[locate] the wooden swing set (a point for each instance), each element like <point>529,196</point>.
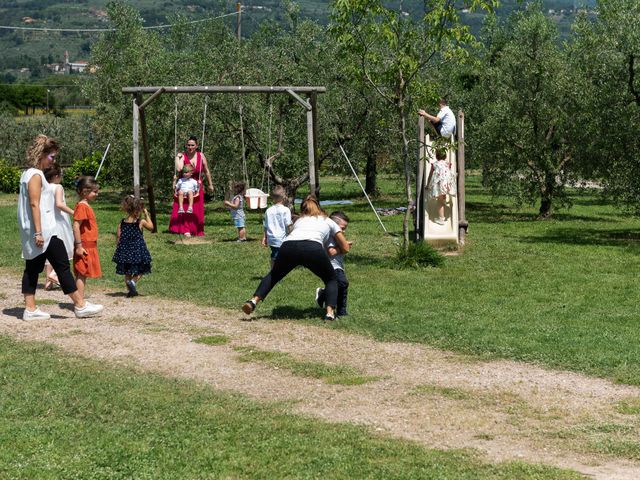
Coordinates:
<point>140,126</point>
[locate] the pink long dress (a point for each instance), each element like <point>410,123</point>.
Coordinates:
<point>192,223</point>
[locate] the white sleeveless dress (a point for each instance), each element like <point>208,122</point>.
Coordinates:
<point>25,216</point>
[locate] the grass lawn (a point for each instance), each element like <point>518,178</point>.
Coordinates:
<point>64,417</point>
<point>560,292</point>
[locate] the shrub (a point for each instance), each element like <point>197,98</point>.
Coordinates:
<point>418,255</point>
<point>85,166</point>
<point>9,178</point>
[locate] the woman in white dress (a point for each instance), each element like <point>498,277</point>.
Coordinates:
<point>39,233</point>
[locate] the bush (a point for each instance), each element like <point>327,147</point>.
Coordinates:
<point>418,255</point>
<point>86,166</point>
<point>9,178</point>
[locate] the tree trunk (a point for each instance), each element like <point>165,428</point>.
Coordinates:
<point>546,202</point>
<point>371,174</point>
<point>406,163</point>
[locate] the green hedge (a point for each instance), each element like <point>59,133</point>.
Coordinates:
<point>9,177</point>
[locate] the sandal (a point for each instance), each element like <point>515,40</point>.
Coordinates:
<point>248,307</point>
<point>51,283</point>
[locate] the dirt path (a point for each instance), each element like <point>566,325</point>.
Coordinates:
<point>505,410</point>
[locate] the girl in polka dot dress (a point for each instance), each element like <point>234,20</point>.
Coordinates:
<point>132,257</point>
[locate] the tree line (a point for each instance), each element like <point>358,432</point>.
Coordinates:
<point>543,113</point>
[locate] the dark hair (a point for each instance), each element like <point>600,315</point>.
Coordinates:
<point>441,154</point>
<point>278,193</point>
<point>340,215</point>
<point>239,187</point>
<point>194,139</point>
<point>52,171</point>
<point>187,168</point>
<point>311,207</point>
<point>442,101</point>
<point>132,206</point>
<point>86,184</point>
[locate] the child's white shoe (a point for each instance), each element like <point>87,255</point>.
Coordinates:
<point>440,221</point>
<point>181,210</point>
<point>89,310</point>
<point>189,210</point>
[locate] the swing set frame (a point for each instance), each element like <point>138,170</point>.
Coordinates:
<point>140,125</point>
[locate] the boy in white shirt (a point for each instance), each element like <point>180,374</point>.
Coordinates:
<point>186,186</point>
<point>445,122</point>
<point>337,261</point>
<point>277,222</point>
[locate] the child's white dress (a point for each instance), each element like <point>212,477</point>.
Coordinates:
<point>64,230</point>
<point>443,180</point>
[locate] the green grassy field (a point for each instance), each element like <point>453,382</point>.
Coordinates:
<point>561,292</point>
<point>64,417</point>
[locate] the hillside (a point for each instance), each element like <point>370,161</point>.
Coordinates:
<point>29,51</point>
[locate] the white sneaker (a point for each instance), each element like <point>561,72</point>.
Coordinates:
<point>37,314</point>
<point>440,221</point>
<point>89,310</point>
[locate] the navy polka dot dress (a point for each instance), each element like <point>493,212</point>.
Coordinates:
<point>132,256</point>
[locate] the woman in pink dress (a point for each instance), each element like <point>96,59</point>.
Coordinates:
<point>191,224</point>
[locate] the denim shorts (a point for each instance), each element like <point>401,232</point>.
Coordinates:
<point>239,222</point>
<point>274,252</point>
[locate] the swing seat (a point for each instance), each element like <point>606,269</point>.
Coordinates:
<point>255,198</point>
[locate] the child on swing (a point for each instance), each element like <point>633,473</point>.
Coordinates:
<point>186,186</point>
<point>235,207</point>
<point>442,182</point>
<point>132,257</point>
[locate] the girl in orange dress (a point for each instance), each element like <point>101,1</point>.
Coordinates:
<point>86,261</point>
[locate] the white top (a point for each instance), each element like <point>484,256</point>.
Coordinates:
<point>316,229</point>
<point>25,216</point>
<point>337,260</point>
<point>64,230</point>
<point>277,219</point>
<point>237,213</point>
<point>187,185</point>
<point>448,120</point>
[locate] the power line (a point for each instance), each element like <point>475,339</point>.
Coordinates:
<point>94,30</point>
<point>38,85</point>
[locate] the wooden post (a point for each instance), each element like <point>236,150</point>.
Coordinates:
<point>313,101</point>
<point>419,213</point>
<point>147,164</point>
<point>238,22</point>
<point>311,150</point>
<point>463,225</point>
<point>136,150</point>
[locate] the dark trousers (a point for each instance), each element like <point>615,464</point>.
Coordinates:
<point>56,253</point>
<point>343,288</point>
<point>308,254</point>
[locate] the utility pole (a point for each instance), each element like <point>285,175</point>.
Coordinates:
<point>48,100</point>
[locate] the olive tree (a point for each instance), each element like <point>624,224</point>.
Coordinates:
<point>527,92</point>
<point>396,54</point>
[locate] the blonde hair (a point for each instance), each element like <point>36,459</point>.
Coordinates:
<point>311,207</point>
<point>40,147</point>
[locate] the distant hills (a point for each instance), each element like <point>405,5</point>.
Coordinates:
<point>26,53</point>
